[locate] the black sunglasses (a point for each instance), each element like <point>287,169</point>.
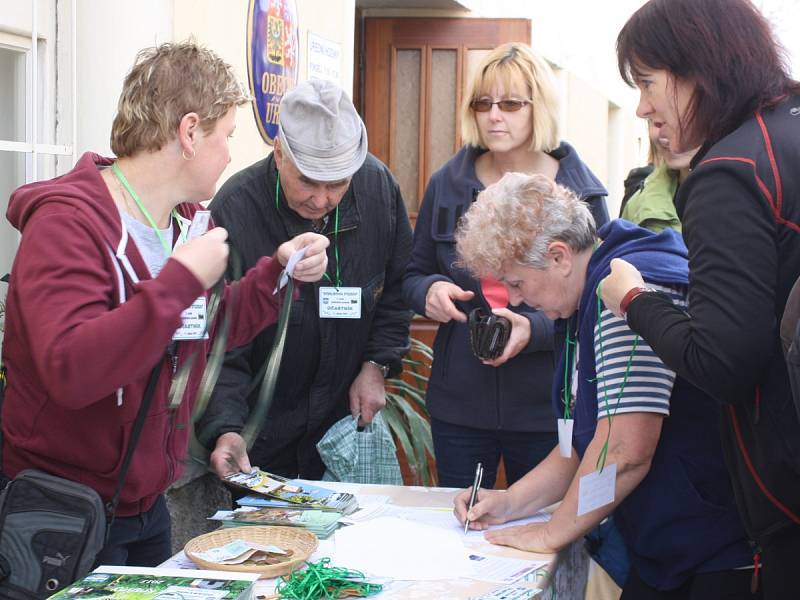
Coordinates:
<point>485,105</point>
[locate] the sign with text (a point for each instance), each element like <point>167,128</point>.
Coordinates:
<point>324,59</point>
<point>272,59</point>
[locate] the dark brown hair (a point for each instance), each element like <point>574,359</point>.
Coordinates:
<point>725,48</point>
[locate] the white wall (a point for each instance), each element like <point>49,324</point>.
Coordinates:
<point>109,34</point>
<point>223,27</point>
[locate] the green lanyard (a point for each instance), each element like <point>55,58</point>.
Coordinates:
<point>338,283</point>
<point>601,458</point>
<point>126,184</point>
<point>568,366</point>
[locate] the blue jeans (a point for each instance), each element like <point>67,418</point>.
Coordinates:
<point>459,448</point>
<point>144,540</point>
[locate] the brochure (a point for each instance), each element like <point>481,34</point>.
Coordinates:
<point>291,493</point>
<point>140,583</point>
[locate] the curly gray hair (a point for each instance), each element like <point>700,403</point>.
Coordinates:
<point>516,219</point>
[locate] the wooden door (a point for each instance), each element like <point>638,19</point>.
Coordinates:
<point>414,77</point>
<point>415,73</point>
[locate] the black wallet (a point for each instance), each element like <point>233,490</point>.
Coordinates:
<point>488,334</point>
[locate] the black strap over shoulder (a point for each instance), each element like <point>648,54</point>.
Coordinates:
<point>149,392</point>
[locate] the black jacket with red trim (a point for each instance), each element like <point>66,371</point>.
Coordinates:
<point>740,209</point>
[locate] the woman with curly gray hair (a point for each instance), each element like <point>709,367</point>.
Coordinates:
<point>539,239</point>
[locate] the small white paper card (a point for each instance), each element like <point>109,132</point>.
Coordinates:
<point>193,322</point>
<point>596,489</point>
<point>340,303</point>
<point>565,437</point>
<point>295,258</point>
<point>199,224</point>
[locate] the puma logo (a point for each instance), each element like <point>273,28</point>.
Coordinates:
<point>56,561</point>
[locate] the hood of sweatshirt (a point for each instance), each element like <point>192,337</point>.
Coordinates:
<point>82,189</point>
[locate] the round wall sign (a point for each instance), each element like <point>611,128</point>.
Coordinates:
<point>272,59</point>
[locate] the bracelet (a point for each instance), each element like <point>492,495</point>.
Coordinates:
<point>632,293</point>
<point>383,368</point>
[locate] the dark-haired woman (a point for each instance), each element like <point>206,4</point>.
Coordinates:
<point>711,74</point>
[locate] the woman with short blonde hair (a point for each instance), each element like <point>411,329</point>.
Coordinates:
<point>507,64</point>
<point>112,281</point>
<point>488,407</point>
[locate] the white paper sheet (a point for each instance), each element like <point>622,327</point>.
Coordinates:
<point>435,517</point>
<point>402,549</point>
<point>502,569</point>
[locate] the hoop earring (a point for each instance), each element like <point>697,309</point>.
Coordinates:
<point>183,154</point>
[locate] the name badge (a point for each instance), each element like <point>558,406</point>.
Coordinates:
<point>341,303</point>
<point>596,489</point>
<point>193,326</point>
<point>565,437</point>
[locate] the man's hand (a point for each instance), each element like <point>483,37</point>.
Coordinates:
<point>517,341</point>
<point>440,302</point>
<point>315,260</point>
<point>531,538</point>
<point>367,394</point>
<point>230,455</point>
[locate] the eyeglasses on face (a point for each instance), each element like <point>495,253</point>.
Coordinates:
<point>485,105</point>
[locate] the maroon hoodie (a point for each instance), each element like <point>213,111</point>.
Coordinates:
<point>85,325</point>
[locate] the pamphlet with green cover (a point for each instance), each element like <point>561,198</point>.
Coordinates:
<point>320,522</point>
<point>140,583</point>
<point>293,492</point>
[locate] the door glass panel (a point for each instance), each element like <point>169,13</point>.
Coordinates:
<point>442,117</point>
<point>12,175</point>
<point>474,57</point>
<point>405,150</point>
<point>12,95</point>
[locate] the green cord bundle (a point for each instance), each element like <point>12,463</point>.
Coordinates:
<point>320,580</point>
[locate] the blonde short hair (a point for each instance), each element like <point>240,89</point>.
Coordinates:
<point>516,220</point>
<point>165,83</point>
<point>515,64</point>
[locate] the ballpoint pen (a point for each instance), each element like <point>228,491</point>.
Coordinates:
<point>476,484</point>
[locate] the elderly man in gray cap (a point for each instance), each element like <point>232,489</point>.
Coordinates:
<point>348,332</point>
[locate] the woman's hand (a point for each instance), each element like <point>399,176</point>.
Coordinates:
<point>531,538</point>
<point>440,302</point>
<point>623,278</point>
<point>517,340</point>
<point>206,256</point>
<point>315,260</point>
<point>490,508</point>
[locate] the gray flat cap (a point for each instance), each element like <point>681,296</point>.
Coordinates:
<point>321,132</point>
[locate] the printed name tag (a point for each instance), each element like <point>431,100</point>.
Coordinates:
<point>565,437</point>
<point>194,322</point>
<point>596,489</point>
<point>341,303</point>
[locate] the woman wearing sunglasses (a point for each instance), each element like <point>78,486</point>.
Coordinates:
<point>711,74</point>
<point>485,410</point>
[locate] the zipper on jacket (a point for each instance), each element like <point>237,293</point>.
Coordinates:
<point>172,351</point>
<point>756,567</point>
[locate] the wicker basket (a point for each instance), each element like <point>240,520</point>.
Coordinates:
<point>301,542</point>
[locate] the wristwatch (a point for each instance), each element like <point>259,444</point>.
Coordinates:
<point>633,293</point>
<point>383,368</point>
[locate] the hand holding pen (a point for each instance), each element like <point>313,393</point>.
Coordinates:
<point>476,484</point>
